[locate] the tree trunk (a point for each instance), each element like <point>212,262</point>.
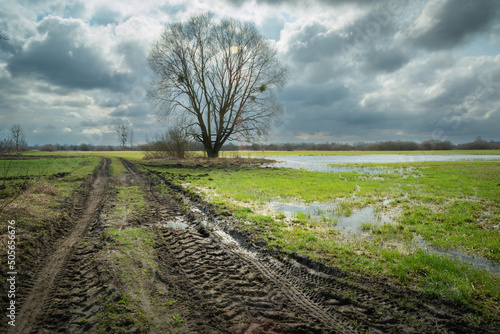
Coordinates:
<point>212,151</point>
<point>213,154</point>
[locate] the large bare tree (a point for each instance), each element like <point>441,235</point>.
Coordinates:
<point>219,77</point>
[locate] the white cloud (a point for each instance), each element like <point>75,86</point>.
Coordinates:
<point>74,114</point>
<point>92,132</point>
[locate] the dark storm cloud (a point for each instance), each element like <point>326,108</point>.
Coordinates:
<point>88,123</point>
<point>452,22</point>
<point>324,95</point>
<point>386,60</point>
<point>313,43</point>
<point>62,57</point>
<point>366,43</point>
<point>136,110</point>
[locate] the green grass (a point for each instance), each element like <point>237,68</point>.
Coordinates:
<point>440,276</point>
<point>445,204</point>
<point>36,203</point>
<point>63,175</point>
<point>132,240</point>
<point>130,155</point>
<point>453,205</point>
<point>134,259</point>
<point>78,168</point>
<point>117,168</point>
<point>129,203</point>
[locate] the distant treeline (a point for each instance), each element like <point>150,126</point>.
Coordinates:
<point>427,145</point>
<point>81,147</point>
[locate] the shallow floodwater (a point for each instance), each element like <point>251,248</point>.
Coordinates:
<point>318,211</point>
<point>474,260</point>
<point>322,163</point>
<point>351,227</point>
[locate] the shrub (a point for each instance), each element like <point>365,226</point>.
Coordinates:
<point>48,148</point>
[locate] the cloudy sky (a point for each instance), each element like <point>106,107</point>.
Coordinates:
<point>71,71</point>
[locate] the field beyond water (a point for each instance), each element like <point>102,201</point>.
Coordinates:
<point>108,242</point>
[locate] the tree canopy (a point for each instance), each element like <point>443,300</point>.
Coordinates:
<point>218,77</point>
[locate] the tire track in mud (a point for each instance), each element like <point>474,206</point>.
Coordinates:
<point>242,285</point>
<point>231,280</point>
<point>41,294</point>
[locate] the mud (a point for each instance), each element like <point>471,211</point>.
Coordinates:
<point>219,278</point>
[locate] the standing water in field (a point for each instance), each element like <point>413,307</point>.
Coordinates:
<point>351,225</point>
<point>325,163</point>
<point>332,214</point>
<point>474,260</point>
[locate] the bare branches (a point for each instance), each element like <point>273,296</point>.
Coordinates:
<point>220,76</point>
<point>123,134</point>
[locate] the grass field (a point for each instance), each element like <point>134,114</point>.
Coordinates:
<point>131,155</point>
<point>64,173</point>
<point>451,205</point>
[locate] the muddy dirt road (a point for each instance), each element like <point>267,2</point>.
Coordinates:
<point>184,269</point>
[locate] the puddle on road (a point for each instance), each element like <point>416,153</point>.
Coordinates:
<point>178,223</point>
<point>350,227</point>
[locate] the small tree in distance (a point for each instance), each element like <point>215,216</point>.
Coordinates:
<point>218,77</point>
<point>123,133</point>
<point>17,138</point>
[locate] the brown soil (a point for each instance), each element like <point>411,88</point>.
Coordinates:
<point>208,277</point>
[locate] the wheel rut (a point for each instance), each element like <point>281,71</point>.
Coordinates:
<point>42,290</point>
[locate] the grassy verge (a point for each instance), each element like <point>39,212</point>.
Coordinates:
<point>38,204</point>
<point>452,205</point>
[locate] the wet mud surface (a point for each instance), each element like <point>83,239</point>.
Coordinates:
<point>207,276</point>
